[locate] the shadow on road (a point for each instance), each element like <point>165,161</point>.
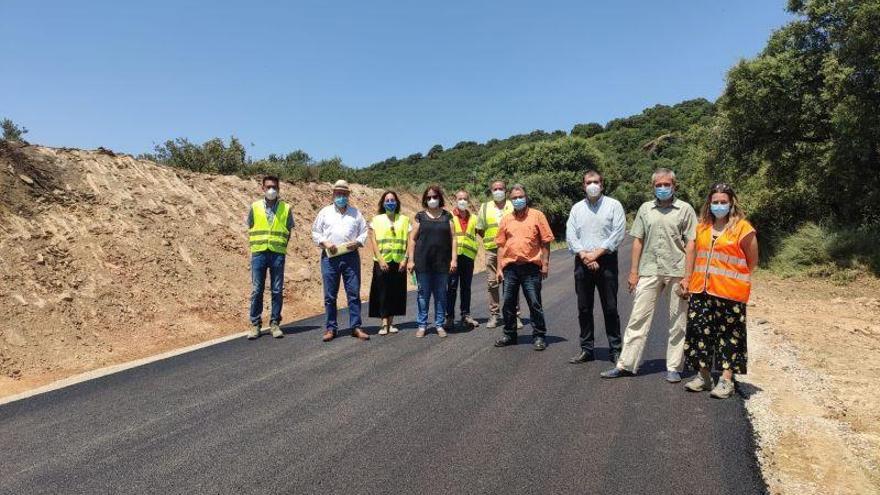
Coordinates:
<point>295,329</point>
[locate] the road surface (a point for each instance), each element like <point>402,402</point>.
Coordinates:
<point>393,415</point>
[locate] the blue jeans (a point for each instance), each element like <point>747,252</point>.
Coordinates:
<point>348,267</point>
<point>527,276</point>
<point>274,263</point>
<point>431,283</point>
<point>463,276</point>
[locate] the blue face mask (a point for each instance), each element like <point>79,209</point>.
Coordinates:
<point>390,206</point>
<point>720,210</point>
<point>518,203</point>
<point>340,201</point>
<point>663,192</point>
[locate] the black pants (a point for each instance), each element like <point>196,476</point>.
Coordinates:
<point>463,276</point>
<point>585,283</point>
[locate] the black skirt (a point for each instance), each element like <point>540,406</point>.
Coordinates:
<point>387,291</point>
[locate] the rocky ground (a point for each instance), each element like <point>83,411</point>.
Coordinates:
<point>105,259</point>
<point>814,358</point>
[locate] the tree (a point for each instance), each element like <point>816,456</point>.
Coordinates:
<point>12,132</point>
<point>434,152</point>
<point>801,120</point>
<point>587,130</point>
<point>552,172</point>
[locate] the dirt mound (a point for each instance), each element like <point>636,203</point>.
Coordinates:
<point>105,258</point>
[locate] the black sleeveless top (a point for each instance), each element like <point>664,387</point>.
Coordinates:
<point>434,245</point>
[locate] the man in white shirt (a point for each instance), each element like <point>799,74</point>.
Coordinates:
<point>596,227</point>
<point>340,230</point>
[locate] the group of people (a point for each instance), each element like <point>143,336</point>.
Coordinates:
<point>701,264</point>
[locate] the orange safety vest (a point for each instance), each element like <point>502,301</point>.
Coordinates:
<point>721,268</point>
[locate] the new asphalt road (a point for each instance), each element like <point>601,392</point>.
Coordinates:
<point>393,415</point>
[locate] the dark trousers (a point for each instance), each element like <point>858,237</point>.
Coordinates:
<point>586,282</point>
<point>347,267</point>
<point>274,264</point>
<point>527,276</point>
<point>463,276</point>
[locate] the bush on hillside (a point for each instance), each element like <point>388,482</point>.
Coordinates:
<point>552,172</point>
<point>12,132</point>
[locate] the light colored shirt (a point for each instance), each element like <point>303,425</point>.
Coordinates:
<point>665,232</point>
<point>339,228</point>
<point>523,237</point>
<point>595,225</point>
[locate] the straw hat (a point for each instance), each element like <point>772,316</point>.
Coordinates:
<point>341,185</point>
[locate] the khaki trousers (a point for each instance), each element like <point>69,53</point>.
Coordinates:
<point>648,290</point>
<point>492,283</point>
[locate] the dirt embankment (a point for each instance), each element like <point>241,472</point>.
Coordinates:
<point>814,359</point>
<point>105,259</point>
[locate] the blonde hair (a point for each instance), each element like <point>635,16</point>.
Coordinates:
<point>736,211</point>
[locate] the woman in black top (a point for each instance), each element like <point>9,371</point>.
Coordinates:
<point>430,248</point>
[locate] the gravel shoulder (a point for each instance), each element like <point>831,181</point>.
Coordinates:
<point>813,355</point>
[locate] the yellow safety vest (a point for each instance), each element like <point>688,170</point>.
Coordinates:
<point>391,236</point>
<point>466,240</point>
<point>265,237</point>
<point>488,214</point>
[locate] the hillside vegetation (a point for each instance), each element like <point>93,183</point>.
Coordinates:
<point>796,132</point>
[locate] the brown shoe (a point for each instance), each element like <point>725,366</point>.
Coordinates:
<point>329,335</point>
<point>358,333</point>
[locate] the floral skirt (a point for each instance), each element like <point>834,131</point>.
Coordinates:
<point>716,334</point>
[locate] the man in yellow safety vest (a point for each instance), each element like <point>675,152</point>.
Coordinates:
<point>465,225</point>
<point>488,219</point>
<point>270,223</point>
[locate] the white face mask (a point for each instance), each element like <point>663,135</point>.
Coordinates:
<point>463,204</point>
<point>271,194</point>
<point>433,203</point>
<point>499,195</point>
<point>594,190</point>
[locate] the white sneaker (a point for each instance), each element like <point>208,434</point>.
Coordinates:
<point>383,331</point>
<point>441,332</point>
<point>519,323</point>
<point>493,322</point>
<point>393,329</point>
<point>700,383</point>
<point>420,332</point>
<point>723,389</point>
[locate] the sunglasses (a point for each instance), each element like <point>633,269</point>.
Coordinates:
<point>722,188</point>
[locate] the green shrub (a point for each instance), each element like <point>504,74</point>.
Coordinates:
<point>812,250</point>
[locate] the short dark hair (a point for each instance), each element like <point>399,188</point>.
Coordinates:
<point>381,208</point>
<point>435,188</point>
<point>272,178</point>
<point>595,172</point>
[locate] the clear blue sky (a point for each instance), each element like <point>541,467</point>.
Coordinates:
<point>363,80</point>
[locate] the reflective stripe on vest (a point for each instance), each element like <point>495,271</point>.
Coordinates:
<point>721,268</point>
<point>265,237</point>
<point>466,240</point>
<point>488,212</point>
<point>391,241</point>
<point>702,256</point>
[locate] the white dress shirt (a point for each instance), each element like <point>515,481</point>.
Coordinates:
<point>595,225</point>
<point>339,228</point>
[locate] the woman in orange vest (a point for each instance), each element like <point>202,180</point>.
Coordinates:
<point>726,255</point>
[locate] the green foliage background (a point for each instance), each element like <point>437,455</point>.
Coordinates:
<point>796,132</point>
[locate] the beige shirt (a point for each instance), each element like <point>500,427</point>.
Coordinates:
<point>665,232</point>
